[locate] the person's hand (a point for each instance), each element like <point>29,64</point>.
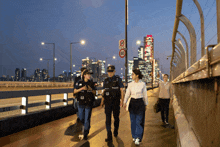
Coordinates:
<point>102,104</point>
<point>121,104</point>
<point>125,106</point>
<point>89,88</point>
<point>171,101</point>
<point>83,88</point>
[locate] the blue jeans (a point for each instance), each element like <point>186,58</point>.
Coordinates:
<point>76,106</point>
<point>85,116</point>
<point>137,116</point>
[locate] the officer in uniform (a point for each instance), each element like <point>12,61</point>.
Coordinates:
<point>85,92</point>
<point>75,103</point>
<point>113,91</point>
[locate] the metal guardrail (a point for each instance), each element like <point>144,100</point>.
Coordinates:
<point>208,66</point>
<point>27,93</point>
<point>34,84</point>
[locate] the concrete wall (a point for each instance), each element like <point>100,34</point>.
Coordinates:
<point>201,108</point>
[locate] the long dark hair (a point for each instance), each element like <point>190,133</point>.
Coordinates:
<point>138,72</point>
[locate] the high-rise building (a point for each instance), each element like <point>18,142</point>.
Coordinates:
<point>37,75</point>
<point>17,74</point>
<point>130,68</point>
<point>141,52</point>
<point>87,63</point>
<point>45,75</point>
<point>23,74</point>
<point>95,70</point>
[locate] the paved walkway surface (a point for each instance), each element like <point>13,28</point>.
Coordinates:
<point>57,133</point>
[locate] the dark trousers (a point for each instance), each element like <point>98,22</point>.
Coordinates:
<point>109,108</point>
<point>164,103</point>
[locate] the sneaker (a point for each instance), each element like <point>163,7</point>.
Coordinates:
<point>166,123</point>
<point>137,141</point>
<point>134,139</point>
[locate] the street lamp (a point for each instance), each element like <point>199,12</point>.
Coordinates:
<point>106,61</point>
<point>81,42</point>
<point>41,59</point>
<point>43,43</point>
<point>138,42</point>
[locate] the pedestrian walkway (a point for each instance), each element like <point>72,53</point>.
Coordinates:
<point>54,134</point>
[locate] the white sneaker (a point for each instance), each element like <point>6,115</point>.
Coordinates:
<point>137,142</point>
<point>134,139</point>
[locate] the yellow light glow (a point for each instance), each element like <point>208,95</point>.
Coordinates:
<point>42,43</point>
<point>82,42</point>
<point>138,42</point>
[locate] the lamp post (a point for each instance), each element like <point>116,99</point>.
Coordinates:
<point>106,61</point>
<point>41,59</point>
<point>43,43</point>
<point>81,42</point>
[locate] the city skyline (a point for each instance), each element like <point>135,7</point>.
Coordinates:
<point>100,23</point>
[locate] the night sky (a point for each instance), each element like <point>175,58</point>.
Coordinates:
<point>24,24</point>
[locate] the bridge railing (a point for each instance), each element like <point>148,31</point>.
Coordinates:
<point>34,84</point>
<point>25,105</point>
<point>196,85</point>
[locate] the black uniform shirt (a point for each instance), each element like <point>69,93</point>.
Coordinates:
<point>111,79</point>
<point>89,97</point>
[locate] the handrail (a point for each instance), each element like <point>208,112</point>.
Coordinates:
<point>207,66</point>
<point>34,84</point>
<point>27,93</point>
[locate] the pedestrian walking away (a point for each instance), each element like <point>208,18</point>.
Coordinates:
<point>164,96</point>
<point>137,101</point>
<point>111,96</point>
<point>85,91</point>
<point>75,103</point>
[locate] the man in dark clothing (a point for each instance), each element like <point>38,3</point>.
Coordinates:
<point>113,91</point>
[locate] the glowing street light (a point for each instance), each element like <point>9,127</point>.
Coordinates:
<point>43,43</point>
<point>138,42</point>
<point>82,42</point>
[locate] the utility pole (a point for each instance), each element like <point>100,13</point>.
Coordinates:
<point>126,47</point>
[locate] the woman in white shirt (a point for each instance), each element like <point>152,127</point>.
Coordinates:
<point>137,92</point>
<point>164,98</point>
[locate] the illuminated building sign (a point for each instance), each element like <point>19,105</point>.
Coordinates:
<point>149,47</point>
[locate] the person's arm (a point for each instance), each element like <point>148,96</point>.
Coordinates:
<point>158,90</point>
<point>102,101</point>
<point>127,94</point>
<point>122,91</point>
<point>145,95</point>
<point>78,90</point>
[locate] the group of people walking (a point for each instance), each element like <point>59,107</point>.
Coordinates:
<point>135,100</point>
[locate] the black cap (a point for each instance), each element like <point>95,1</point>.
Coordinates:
<point>87,72</point>
<point>111,68</point>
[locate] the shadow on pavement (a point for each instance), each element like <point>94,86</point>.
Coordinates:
<point>120,142</point>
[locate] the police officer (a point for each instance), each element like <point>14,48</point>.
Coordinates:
<point>113,91</point>
<point>75,103</point>
<point>85,91</point>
